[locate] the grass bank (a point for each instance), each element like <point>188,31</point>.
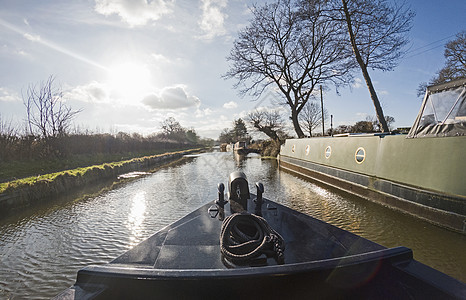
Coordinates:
<point>17,169</point>
<point>27,191</point>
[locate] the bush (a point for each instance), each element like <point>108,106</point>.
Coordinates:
<point>35,148</point>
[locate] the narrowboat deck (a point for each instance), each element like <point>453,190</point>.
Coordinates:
<point>184,260</point>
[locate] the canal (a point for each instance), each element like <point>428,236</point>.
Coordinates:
<point>42,250</point>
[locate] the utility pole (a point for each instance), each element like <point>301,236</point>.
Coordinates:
<point>331,125</point>
<point>322,107</point>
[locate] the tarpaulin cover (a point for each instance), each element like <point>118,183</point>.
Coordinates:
<point>443,111</point>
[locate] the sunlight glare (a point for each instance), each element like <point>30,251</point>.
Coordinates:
<point>129,80</point>
<point>136,217</point>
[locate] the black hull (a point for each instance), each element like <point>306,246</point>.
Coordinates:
<point>332,279</point>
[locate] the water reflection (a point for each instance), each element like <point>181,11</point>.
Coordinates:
<point>239,159</point>
<point>321,203</point>
<point>136,217</point>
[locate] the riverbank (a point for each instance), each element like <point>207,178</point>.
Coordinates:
<point>11,170</point>
<point>21,193</point>
<point>267,149</point>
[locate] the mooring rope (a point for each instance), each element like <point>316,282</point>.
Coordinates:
<point>246,236</point>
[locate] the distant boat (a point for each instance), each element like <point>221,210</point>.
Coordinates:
<point>253,248</point>
<point>422,173</point>
<point>240,148</point>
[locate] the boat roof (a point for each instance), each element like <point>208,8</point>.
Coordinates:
<point>443,111</point>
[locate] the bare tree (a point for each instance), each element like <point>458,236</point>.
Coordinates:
<point>343,129</point>
<point>376,124</point>
<point>455,63</point>
<point>455,55</point>
<point>268,122</point>
<point>311,116</point>
<point>9,135</point>
<point>377,31</point>
<point>47,113</point>
<point>226,136</point>
<point>7,130</point>
<point>172,129</point>
<point>362,126</point>
<point>280,48</point>
<point>389,120</point>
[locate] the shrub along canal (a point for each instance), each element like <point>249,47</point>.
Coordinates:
<point>41,250</point>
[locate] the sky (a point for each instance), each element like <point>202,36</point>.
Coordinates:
<point>130,64</point>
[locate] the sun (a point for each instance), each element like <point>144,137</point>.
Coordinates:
<point>129,80</point>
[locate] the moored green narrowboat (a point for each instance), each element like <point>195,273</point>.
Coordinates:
<point>422,173</point>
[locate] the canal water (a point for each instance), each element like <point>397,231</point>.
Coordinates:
<point>42,250</point>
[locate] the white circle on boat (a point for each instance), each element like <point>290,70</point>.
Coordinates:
<point>360,155</point>
<point>328,152</point>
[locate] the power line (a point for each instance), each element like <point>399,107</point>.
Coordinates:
<point>419,48</point>
<point>425,46</point>
<point>419,53</point>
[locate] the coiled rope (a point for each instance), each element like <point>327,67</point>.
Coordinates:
<point>246,236</point>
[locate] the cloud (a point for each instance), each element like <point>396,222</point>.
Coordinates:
<point>211,129</point>
<point>212,20</point>
<point>201,113</point>
<point>231,104</point>
<point>159,58</point>
<point>135,13</point>
<point>362,115</point>
<point>357,83</point>
<point>171,98</point>
<point>31,37</point>
<point>22,53</point>
<point>92,92</point>
<point>279,109</point>
<point>8,96</point>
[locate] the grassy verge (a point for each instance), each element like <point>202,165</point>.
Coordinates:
<point>14,184</point>
<point>76,172</point>
<point>14,170</point>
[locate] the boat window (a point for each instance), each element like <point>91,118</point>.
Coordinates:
<point>328,152</point>
<point>308,148</point>
<point>443,111</point>
<point>360,155</point>
<point>447,107</point>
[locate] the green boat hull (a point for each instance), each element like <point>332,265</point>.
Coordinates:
<point>424,177</point>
